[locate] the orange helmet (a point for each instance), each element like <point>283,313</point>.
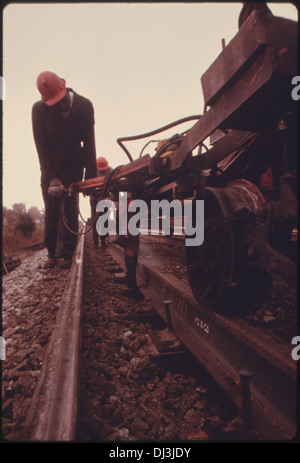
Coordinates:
<point>102,163</point>
<point>51,87</point>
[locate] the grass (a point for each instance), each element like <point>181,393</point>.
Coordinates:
<point>13,243</point>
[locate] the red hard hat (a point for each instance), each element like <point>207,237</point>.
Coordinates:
<point>51,87</point>
<point>102,163</point>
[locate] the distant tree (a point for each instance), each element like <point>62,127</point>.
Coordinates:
<point>9,217</point>
<point>19,208</point>
<point>26,224</point>
<point>36,214</point>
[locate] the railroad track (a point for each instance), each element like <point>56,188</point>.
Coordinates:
<point>253,371</point>
<point>53,411</point>
<point>231,351</point>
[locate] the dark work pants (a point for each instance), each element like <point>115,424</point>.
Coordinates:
<point>59,241</point>
<point>95,215</point>
<point>131,251</point>
<point>131,246</point>
<point>93,203</point>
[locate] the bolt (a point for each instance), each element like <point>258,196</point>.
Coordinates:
<point>252,253</point>
<point>168,314</point>
<point>245,376</point>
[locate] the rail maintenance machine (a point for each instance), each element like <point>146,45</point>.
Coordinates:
<point>246,174</point>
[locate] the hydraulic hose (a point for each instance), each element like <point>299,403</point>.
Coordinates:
<point>153,132</point>
<point>78,209</point>
<point>108,180</point>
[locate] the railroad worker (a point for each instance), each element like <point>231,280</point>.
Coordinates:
<point>131,244</point>
<point>103,170</point>
<point>63,130</point>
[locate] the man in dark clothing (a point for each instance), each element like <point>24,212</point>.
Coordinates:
<point>103,170</point>
<point>63,130</point>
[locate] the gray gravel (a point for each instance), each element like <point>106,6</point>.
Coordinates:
<point>128,392</point>
<point>30,299</point>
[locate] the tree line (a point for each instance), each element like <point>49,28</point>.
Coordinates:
<point>20,227</point>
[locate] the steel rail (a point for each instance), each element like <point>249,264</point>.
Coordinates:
<point>53,412</point>
<point>228,349</point>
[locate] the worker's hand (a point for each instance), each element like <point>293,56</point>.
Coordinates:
<point>56,188</point>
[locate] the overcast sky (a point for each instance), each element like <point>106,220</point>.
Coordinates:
<point>139,63</point>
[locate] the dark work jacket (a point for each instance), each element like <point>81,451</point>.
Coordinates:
<point>65,146</point>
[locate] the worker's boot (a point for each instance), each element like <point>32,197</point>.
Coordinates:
<point>133,290</point>
<point>50,262</point>
<point>131,277</point>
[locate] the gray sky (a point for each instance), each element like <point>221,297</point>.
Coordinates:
<point>139,63</point>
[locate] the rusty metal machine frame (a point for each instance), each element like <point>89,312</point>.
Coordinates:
<point>248,175</point>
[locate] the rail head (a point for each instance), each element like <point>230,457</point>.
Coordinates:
<point>53,412</point>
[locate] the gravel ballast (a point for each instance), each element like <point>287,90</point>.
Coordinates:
<point>30,300</point>
<point>129,392</point>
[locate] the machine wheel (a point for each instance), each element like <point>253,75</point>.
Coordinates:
<point>215,267</point>
<point>210,265</point>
